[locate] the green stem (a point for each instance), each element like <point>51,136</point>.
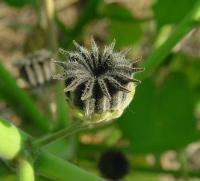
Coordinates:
<point>63,133</point>
<point>20,101</point>
<point>25,170</point>
<point>163,35</point>
<point>55,168</point>
<point>13,141</point>
<point>49,10</point>
<point>159,54</point>
<point>61,107</point>
<point>76,126</point>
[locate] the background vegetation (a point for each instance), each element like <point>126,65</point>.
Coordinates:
<point>158,133</point>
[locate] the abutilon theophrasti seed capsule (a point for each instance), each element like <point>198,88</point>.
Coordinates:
<point>36,68</point>
<point>98,84</point>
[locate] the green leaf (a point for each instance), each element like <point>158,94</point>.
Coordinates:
<point>188,65</point>
<point>170,11</point>
<point>52,167</point>
<point>18,3</point>
<point>162,118</point>
<point>126,33</point>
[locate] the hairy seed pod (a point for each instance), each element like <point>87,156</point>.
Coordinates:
<point>36,68</point>
<point>98,84</point>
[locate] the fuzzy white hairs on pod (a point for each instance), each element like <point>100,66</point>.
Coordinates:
<point>98,81</point>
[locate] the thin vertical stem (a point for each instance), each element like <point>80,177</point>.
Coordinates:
<point>49,12</point>
<point>51,29</point>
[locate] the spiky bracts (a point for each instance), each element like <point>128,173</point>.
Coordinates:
<point>98,83</point>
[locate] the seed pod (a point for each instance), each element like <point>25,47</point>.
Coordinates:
<point>113,165</point>
<point>98,84</point>
<point>36,69</point>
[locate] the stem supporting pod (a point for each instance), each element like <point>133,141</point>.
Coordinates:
<point>13,141</point>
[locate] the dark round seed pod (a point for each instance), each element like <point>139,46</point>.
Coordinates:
<point>99,84</point>
<point>36,68</point>
<point>113,165</point>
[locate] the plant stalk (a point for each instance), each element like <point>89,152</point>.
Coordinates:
<point>74,127</point>
<point>49,11</point>
<point>160,53</point>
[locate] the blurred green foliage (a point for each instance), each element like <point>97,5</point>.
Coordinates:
<point>170,11</point>
<point>17,3</point>
<point>162,115</point>
<point>133,32</point>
